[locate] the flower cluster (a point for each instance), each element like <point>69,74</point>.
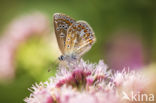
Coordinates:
<point>86,83</point>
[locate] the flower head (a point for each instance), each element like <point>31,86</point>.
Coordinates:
<point>85,83</point>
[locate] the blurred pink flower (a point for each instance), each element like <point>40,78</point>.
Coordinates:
<point>129,82</point>
<point>18,32</point>
<point>6,59</point>
<point>125,49</point>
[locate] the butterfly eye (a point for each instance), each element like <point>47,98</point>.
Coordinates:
<point>61,58</point>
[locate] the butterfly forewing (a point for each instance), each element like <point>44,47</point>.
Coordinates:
<point>61,25</point>
<point>80,38</point>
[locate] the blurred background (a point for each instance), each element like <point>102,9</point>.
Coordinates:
<point>125,32</point>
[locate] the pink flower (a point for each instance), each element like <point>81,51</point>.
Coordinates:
<point>40,94</point>
<point>87,83</point>
<point>6,59</point>
<point>78,82</point>
<point>82,74</point>
<point>129,82</point>
<point>18,32</point>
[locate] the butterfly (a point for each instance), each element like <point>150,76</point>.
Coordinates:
<point>74,38</point>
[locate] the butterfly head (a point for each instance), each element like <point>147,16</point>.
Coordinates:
<point>68,58</point>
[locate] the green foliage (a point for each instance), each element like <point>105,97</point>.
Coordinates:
<point>35,57</point>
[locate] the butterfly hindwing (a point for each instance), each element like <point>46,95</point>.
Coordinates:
<point>61,25</point>
<point>80,38</point>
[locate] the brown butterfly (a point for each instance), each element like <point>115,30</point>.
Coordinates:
<point>74,38</point>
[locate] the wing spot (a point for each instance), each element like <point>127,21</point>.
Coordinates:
<point>68,39</point>
<point>90,41</point>
<point>62,35</point>
<point>57,28</point>
<point>83,39</point>
<point>91,36</point>
<point>74,27</point>
<point>71,21</point>
<point>64,17</point>
<point>65,28</point>
<point>60,26</point>
<point>68,46</point>
<point>67,19</point>
<point>85,30</point>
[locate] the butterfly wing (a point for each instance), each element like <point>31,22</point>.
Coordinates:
<point>61,25</point>
<point>80,38</point>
